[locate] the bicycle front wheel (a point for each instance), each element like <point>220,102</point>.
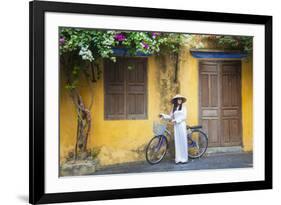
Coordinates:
<point>156,149</point>
<point>197,144</point>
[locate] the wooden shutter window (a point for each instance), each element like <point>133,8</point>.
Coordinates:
<point>136,89</point>
<point>114,90</point>
<point>126,89</point>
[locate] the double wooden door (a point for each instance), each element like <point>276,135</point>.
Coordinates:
<point>220,102</point>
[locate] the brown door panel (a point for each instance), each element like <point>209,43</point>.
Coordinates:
<point>209,103</point>
<point>220,101</point>
<point>231,104</point>
<point>211,126</point>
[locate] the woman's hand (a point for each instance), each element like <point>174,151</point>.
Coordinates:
<point>173,121</point>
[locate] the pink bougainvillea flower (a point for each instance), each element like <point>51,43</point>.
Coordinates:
<point>144,45</point>
<point>61,40</point>
<point>119,37</point>
<point>155,34</point>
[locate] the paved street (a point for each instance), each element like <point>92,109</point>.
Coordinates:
<point>213,161</point>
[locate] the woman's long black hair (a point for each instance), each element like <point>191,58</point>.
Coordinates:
<point>175,102</point>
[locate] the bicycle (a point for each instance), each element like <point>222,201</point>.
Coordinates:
<point>157,147</point>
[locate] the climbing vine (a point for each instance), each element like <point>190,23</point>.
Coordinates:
<point>81,49</point>
<point>242,43</point>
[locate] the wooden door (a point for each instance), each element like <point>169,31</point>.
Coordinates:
<point>220,101</point>
<point>209,100</point>
<point>231,103</point>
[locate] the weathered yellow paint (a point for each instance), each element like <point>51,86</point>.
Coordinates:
<point>188,76</point>
<point>68,121</point>
<point>247,103</point>
<point>119,140</point>
<point>124,140</point>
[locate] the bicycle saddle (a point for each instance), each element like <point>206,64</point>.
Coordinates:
<point>194,127</point>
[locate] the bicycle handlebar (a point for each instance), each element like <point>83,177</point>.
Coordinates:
<point>166,121</point>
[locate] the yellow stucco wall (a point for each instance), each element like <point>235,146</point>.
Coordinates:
<point>119,140</point>
<point>188,76</point>
<point>124,140</point>
<point>247,103</point>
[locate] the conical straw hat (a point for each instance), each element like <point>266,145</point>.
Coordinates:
<point>178,96</point>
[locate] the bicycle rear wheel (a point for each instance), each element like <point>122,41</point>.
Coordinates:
<point>197,144</point>
<point>156,149</point>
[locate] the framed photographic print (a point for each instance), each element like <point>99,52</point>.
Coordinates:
<point>140,102</point>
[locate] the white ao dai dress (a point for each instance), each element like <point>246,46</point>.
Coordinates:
<point>180,134</point>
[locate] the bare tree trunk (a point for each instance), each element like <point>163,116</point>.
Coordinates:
<point>84,118</point>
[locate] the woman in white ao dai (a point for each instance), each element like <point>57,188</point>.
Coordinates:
<point>178,117</point>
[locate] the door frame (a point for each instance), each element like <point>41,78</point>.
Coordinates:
<point>218,60</point>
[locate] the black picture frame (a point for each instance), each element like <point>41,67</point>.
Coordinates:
<point>37,10</point>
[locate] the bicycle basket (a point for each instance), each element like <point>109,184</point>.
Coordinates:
<point>159,128</point>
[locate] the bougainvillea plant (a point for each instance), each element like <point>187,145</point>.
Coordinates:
<point>83,48</point>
